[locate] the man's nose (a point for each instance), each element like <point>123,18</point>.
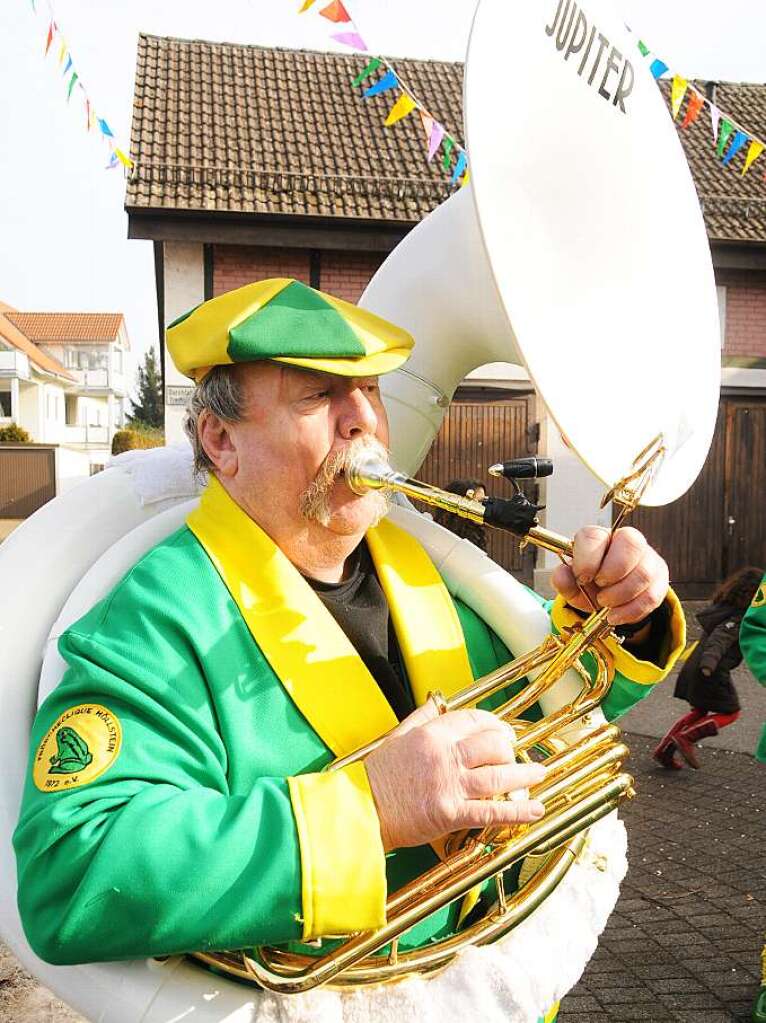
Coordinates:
<point>357,415</point>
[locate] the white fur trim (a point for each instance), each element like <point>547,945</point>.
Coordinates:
<point>160,475</point>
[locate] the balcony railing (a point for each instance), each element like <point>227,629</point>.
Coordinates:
<point>85,435</point>
<point>91,377</point>
<point>99,379</point>
<point>14,364</point>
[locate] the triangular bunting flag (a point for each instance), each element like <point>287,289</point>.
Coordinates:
<point>466,179</point>
<point>72,80</point>
<point>696,103</point>
<point>403,106</point>
<point>726,129</point>
<point>113,160</point>
<point>352,39</point>
<point>449,142</point>
<point>105,129</point>
<point>428,123</point>
<point>124,160</point>
<point>87,113</point>
<point>736,144</point>
<point>643,48</point>
<point>49,40</point>
<point>755,150</point>
<point>62,52</point>
<point>677,93</point>
<point>388,81</point>
<point>658,68</point>
<point>715,117</point>
<point>306,5</point>
<point>437,134</point>
<point>460,166</point>
<point>336,12</point>
<point>371,67</point>
<point>68,64</point>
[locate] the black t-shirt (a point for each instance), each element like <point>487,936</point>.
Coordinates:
<point>359,606</point>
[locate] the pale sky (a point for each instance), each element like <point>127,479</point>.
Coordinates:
<point>63,230</point>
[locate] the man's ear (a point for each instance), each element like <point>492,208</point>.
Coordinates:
<point>216,438</point>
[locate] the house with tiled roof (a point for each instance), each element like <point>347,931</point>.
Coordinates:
<point>254,161</point>
<point>64,379</point>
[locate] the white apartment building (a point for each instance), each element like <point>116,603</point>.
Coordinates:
<point>64,378</point>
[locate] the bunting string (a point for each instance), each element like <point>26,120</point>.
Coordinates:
<point>380,76</point>
<point>55,42</point>
<point>728,136</point>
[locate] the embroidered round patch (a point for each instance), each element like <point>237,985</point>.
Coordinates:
<point>77,748</point>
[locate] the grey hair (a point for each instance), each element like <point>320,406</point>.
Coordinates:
<point>221,393</point>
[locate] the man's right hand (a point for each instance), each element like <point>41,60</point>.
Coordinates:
<point>437,774</point>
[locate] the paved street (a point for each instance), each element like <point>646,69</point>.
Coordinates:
<point>684,942</point>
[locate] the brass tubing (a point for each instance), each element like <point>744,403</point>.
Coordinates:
<point>374,475</point>
<point>614,756</point>
<point>481,688</point>
<point>361,945</point>
<point>586,822</point>
<point>434,957</point>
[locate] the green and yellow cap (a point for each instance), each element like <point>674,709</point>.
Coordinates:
<point>287,321</point>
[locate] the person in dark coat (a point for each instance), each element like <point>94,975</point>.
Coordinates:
<point>705,679</point>
<point>464,527</point>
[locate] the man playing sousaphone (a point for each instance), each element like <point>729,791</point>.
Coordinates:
<point>175,798</point>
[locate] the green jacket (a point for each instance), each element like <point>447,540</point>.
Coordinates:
<point>752,641</point>
<point>174,801</point>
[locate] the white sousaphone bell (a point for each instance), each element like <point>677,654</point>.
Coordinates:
<point>577,251</point>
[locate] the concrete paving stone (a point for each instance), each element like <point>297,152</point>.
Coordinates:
<point>659,971</point>
<point>729,978</point>
<point>654,1013</point>
<point>582,1003</point>
<point>629,933</point>
<point>694,1000</point>
<point>706,921</point>
<point>690,937</point>
<point>631,995</point>
<point>702,1016</point>
<point>671,985</point>
<point>586,1017</point>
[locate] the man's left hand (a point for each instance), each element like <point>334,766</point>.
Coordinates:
<point>621,572</point>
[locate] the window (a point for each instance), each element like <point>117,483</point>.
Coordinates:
<point>5,403</point>
<point>70,401</point>
<point>94,468</point>
<point>721,292</point>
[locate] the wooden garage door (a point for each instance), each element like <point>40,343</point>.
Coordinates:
<point>27,479</point>
<point>476,432</point>
<point>719,525</point>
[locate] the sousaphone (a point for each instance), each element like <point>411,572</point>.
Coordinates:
<point>578,252</point>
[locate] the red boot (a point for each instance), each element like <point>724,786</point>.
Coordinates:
<point>665,754</point>
<point>689,736</point>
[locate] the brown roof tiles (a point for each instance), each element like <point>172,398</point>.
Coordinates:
<point>252,129</point>
<point>12,337</point>
<point>67,328</point>
<point>249,129</point>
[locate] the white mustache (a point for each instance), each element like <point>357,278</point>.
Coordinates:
<point>313,501</point>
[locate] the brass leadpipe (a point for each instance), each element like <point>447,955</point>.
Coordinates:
<point>369,473</point>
